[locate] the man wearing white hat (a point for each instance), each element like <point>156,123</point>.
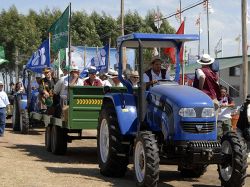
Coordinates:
<point>4,101</point>
<point>206,79</point>
<point>92,80</point>
<point>113,77</point>
<point>61,86</point>
<point>134,78</point>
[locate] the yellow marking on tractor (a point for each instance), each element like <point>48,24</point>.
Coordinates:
<point>89,101</point>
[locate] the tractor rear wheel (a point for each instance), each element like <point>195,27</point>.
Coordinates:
<point>16,115</point>
<point>233,171</point>
<point>113,155</point>
<point>48,138</point>
<point>24,121</point>
<point>58,140</point>
<point>146,159</point>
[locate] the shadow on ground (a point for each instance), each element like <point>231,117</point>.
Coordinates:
<point>74,154</point>
<point>32,131</point>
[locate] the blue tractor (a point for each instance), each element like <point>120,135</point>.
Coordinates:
<point>168,124</point>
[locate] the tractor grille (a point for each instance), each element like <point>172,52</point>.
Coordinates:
<point>191,127</point>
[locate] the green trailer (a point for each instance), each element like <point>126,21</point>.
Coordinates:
<point>81,114</point>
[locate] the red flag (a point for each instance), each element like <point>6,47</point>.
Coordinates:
<point>171,51</point>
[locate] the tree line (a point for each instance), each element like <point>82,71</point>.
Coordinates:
<point>26,32</point>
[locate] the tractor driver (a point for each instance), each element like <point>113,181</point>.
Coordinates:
<point>155,73</point>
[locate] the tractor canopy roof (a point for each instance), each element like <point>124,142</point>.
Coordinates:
<point>154,40</point>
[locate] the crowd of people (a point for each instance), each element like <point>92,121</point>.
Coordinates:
<point>53,92</point>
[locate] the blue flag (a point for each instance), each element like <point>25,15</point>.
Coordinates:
<point>40,59</point>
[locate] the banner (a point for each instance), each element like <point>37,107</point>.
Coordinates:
<point>82,57</point>
<point>100,61</point>
<point>40,59</point>
<point>60,32</point>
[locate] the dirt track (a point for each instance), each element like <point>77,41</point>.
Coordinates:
<point>25,162</point>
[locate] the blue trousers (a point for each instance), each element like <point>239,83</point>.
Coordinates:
<point>2,120</point>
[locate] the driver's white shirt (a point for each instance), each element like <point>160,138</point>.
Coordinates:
<point>155,76</point>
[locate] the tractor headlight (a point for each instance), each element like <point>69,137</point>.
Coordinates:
<point>187,112</point>
<point>207,112</point>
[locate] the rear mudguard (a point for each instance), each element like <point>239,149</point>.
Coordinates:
<point>125,107</point>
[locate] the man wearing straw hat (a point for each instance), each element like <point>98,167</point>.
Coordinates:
<point>134,78</point>
<point>206,79</point>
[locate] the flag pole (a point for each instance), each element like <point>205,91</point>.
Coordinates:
<point>183,64</point>
<point>69,44</point>
<point>49,44</point>
<point>84,56</point>
<point>109,53</point>
<point>199,42</point>
<point>59,62</point>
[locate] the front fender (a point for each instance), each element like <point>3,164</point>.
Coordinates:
<point>125,107</point>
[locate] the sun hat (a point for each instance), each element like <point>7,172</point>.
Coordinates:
<point>112,73</point>
<point>134,74</point>
<point>74,68</point>
<point>92,70</point>
<point>205,60</point>
<point>156,58</point>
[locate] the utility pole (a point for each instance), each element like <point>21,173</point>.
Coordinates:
<point>244,48</point>
<point>16,66</point>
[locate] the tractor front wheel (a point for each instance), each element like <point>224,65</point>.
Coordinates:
<point>233,171</point>
<point>113,155</point>
<point>146,159</point>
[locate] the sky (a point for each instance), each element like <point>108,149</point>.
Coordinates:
<point>224,21</point>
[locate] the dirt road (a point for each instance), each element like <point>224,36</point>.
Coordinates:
<point>24,162</point>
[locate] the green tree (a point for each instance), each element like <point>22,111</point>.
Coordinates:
<point>106,27</point>
<point>83,30</point>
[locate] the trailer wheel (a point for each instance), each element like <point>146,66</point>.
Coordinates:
<point>24,122</point>
<point>113,156</point>
<point>194,171</point>
<point>58,140</point>
<point>146,159</point>
<point>233,171</point>
<point>15,116</point>
<point>48,138</point>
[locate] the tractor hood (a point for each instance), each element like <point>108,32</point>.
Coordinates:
<point>182,96</point>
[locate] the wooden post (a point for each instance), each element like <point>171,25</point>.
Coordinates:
<point>124,62</point>
<point>16,66</point>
